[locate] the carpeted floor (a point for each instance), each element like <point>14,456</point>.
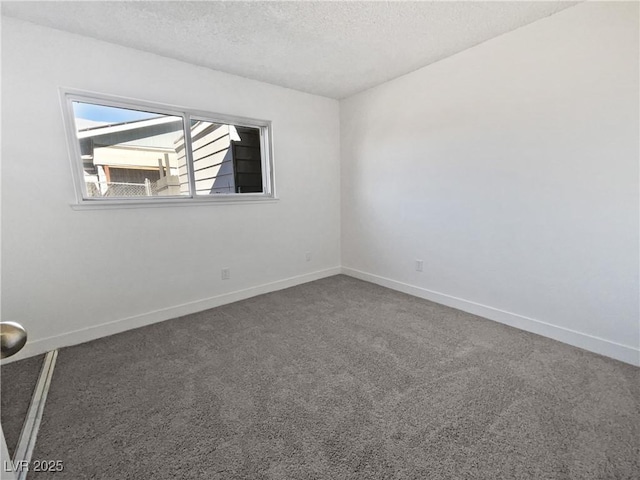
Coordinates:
<point>17,381</point>
<point>338,379</point>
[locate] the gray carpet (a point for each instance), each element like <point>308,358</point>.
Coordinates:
<point>17,381</point>
<point>339,379</point>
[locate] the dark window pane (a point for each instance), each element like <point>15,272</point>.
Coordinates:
<point>226,158</point>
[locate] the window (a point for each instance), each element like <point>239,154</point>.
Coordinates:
<point>140,152</point>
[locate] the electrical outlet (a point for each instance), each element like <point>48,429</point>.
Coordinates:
<point>419,265</point>
<point>307,256</point>
<point>226,274</point>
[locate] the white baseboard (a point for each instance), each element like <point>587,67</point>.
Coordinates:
<point>624,353</point>
<point>94,332</point>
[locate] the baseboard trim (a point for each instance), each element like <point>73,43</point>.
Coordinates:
<point>75,337</point>
<point>624,353</point>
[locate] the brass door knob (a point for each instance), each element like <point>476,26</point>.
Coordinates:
<point>12,338</point>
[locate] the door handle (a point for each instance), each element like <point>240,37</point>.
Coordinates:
<point>13,336</point>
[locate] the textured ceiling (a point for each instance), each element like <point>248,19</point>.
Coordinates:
<point>333,49</point>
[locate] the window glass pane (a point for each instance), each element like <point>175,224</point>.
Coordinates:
<point>130,153</point>
<point>226,158</point>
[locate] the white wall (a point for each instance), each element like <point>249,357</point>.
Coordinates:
<point>511,169</point>
<point>65,271</point>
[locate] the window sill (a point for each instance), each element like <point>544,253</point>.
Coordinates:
<point>170,202</point>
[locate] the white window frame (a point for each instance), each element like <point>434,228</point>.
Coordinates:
<point>68,96</point>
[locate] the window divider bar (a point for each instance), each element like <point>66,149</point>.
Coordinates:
<point>188,155</point>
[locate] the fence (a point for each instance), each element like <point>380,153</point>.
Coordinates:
<point>122,189</point>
